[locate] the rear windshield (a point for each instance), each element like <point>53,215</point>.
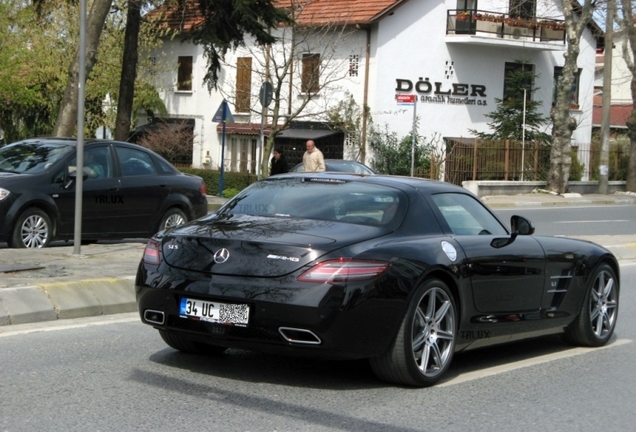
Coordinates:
<point>322,199</point>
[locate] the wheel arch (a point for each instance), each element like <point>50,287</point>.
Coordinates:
<point>50,209</point>
<point>452,283</point>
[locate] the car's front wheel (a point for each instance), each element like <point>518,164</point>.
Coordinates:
<point>423,348</point>
<point>33,229</point>
<point>173,217</point>
<point>595,323</point>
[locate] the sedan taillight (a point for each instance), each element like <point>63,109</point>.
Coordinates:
<point>202,189</point>
<point>152,253</point>
<point>344,270</point>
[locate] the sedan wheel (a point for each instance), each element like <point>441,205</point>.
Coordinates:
<point>173,217</point>
<point>595,323</point>
<point>32,230</point>
<point>423,348</point>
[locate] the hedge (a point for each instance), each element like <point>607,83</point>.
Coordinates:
<point>233,182</point>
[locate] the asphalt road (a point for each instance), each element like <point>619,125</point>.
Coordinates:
<point>578,221</point>
<point>113,373</point>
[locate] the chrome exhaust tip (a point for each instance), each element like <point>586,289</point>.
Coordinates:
<point>154,317</point>
<point>299,336</point>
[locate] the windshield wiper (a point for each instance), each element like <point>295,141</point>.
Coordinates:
<point>11,171</point>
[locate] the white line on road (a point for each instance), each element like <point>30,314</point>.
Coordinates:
<point>593,221</point>
<point>45,326</point>
<point>482,373</point>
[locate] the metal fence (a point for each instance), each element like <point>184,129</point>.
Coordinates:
<point>470,159</point>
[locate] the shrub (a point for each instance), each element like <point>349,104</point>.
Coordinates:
<point>231,180</point>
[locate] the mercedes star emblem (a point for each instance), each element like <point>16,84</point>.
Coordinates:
<point>221,256</point>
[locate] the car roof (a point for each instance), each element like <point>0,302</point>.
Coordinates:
<point>73,141</point>
<point>400,182</point>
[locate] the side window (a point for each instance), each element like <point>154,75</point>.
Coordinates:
<point>97,163</point>
<point>467,216</point>
<point>135,162</point>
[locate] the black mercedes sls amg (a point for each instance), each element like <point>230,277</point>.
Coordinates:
<point>402,271</point>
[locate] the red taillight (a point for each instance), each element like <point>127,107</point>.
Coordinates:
<point>202,189</point>
<point>152,253</point>
<point>344,270</point>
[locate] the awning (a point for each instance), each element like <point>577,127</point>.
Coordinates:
<point>306,134</point>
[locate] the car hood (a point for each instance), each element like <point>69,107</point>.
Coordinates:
<point>245,245</point>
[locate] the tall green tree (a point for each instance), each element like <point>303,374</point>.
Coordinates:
<point>511,119</point>
<point>629,54</point>
<point>577,17</point>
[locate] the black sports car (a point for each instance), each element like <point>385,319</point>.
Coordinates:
<point>399,270</point>
<point>128,191</point>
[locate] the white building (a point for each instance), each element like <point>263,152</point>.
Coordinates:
<point>452,55</point>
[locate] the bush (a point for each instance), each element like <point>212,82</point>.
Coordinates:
<point>231,180</point>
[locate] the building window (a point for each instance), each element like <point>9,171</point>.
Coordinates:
<point>574,94</point>
<point>184,74</point>
<point>518,76</point>
<point>152,69</point>
<point>243,83</point>
<point>354,60</point>
<point>524,9</point>
<point>310,73</point>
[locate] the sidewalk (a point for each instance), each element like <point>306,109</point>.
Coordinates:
<point>53,283</point>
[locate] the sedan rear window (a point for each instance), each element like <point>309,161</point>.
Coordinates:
<point>322,199</point>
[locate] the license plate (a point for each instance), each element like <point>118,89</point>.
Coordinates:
<point>215,312</point>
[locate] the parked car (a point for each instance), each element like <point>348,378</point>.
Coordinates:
<point>402,271</point>
<point>340,165</point>
<point>128,191</point>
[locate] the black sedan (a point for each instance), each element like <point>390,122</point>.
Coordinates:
<point>402,271</point>
<point>128,191</point>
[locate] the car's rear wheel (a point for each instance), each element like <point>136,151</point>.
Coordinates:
<point>33,229</point>
<point>423,348</point>
<point>595,323</point>
<point>183,343</point>
<point>173,217</point>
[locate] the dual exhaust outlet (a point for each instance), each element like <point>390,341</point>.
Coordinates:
<point>290,334</point>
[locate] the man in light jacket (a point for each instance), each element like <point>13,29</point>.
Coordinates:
<point>313,161</point>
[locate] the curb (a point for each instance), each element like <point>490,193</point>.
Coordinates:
<point>62,300</point>
<point>564,203</point>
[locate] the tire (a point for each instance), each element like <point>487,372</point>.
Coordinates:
<point>172,218</point>
<point>595,323</point>
<point>182,343</point>
<point>423,348</point>
<point>33,229</point>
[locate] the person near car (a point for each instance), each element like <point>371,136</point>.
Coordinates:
<point>313,161</point>
<point>279,164</point>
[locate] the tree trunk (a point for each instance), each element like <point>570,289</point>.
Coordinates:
<point>128,72</point>
<point>563,124</point>
<point>67,117</point>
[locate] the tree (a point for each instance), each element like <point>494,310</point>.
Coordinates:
<point>347,117</point>
<point>509,119</point>
<point>626,23</point>
<point>393,156</point>
<point>128,71</point>
<point>298,94</point>
<point>576,20</point>
<point>67,115</point>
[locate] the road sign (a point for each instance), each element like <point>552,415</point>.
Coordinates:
<point>265,95</point>
<point>405,99</point>
<point>223,115</point>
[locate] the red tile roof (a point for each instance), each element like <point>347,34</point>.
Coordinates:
<point>618,115</point>
<point>308,12</point>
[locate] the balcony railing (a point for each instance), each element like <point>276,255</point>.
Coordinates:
<point>504,26</point>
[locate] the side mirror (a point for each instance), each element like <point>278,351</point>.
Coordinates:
<point>521,226</point>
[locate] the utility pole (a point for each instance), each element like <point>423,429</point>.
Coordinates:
<point>603,169</point>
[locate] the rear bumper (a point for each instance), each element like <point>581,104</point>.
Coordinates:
<point>326,323</point>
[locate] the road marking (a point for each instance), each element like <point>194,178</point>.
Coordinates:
<point>593,221</point>
<point>496,370</point>
<point>45,326</point>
